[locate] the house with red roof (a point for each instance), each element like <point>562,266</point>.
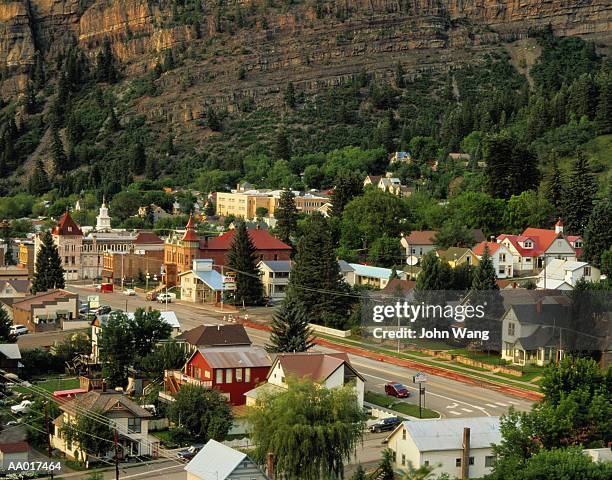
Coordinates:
<point>536,246</point>
<point>503,260</point>
<point>68,237</point>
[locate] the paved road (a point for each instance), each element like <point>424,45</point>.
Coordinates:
<point>451,398</point>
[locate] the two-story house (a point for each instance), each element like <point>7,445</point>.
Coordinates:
<point>532,333</point>
<point>130,420</point>
<point>232,370</point>
<point>275,277</point>
<point>330,370</point>
<point>502,258</point>
<point>220,335</point>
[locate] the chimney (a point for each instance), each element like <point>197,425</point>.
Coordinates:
<point>559,226</point>
<point>465,461</point>
<point>271,465</point>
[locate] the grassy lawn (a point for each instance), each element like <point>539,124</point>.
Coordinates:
<point>479,356</point>
<point>398,405</point>
<point>464,369</point>
<point>52,384</point>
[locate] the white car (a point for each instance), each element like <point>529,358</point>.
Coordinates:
<point>19,330</point>
<point>164,298</point>
<point>21,407</point>
<point>130,292</point>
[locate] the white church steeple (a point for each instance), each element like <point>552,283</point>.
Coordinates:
<point>103,221</point>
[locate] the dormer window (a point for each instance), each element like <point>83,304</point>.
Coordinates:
<point>70,229</point>
<point>528,244</point>
<point>578,244</point>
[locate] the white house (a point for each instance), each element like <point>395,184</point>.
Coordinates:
<point>327,369</point>
<point>419,243</point>
<point>358,274</point>
<point>565,274</point>
<point>275,277</point>
<point>203,284</point>
<point>531,333</point>
<point>130,420</point>
<point>218,462</point>
<point>502,258</point>
<point>537,246</point>
<point>440,443</point>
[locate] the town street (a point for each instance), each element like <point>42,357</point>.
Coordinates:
<point>451,398</point>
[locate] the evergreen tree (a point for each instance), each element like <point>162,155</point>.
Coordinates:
<point>39,71</point>
<point>168,60</point>
<point>58,153</point>
<point>151,170</point>
<point>554,186</point>
<point>604,105</point>
<point>316,284</point>
<point>210,209</point>
<point>105,68</point>
<point>290,330</point>
<point>242,259</point>
<point>598,232</point>
<point>485,292</point>
<point>578,196</point>
<point>49,272</point>
<point>137,158</point>
<point>348,186</point>
<point>430,278</point>
<point>399,76</point>
<point>30,98</point>
<point>286,215</point>
<point>290,95</point>
<point>484,276</point>
<point>5,328</point>
<point>8,241</point>
<point>282,148</point>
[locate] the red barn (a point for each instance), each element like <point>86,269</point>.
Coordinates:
<point>231,370</point>
<point>268,246</point>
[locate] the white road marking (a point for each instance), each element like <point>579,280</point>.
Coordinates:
<point>490,405</point>
<point>416,389</point>
<point>455,413</point>
<point>454,405</point>
<point>467,410</point>
<point>501,404</point>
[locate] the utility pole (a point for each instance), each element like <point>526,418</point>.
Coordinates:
<point>116,457</point>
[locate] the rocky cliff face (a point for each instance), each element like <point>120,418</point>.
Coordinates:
<point>313,42</point>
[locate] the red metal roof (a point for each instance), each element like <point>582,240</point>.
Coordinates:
<point>147,238</point>
<point>545,237</point>
<point>260,238</point>
<point>66,226</point>
<point>15,447</point>
<point>536,251</point>
<point>493,247</point>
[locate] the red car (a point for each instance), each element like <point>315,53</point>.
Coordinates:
<point>396,390</point>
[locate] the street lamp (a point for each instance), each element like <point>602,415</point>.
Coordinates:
<point>147,283</point>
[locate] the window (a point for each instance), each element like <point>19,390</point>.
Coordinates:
<point>457,462</point>
<point>528,244</point>
<point>502,257</point>
<point>228,375</point>
<point>528,260</point>
<point>471,461</point>
<point>247,375</point>
<point>508,349</point>
<point>502,269</point>
<point>511,329</point>
<point>394,456</point>
<point>489,461</point>
<point>239,375</point>
<point>404,434</point>
<point>426,463</point>
<point>587,271</point>
<point>219,378</point>
<point>134,425</point>
<point>403,459</point>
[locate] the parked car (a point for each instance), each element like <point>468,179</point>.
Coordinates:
<point>19,329</point>
<point>151,296</point>
<point>21,407</point>
<point>398,390</point>
<point>12,423</point>
<point>385,425</point>
<point>164,298</point>
<point>103,310</point>
<point>84,309</point>
<point>188,453</point>
<point>130,292</point>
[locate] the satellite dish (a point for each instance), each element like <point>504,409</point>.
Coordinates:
<point>412,260</point>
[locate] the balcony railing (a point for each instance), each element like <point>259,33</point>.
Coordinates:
<point>182,378</point>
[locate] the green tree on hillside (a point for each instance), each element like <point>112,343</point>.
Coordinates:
<point>5,328</point>
<point>598,232</point>
<point>242,259</point>
<point>347,186</point>
<point>578,197</point>
<point>49,273</point>
<point>39,180</point>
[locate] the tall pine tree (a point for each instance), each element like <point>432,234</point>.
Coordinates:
<point>49,272</point>
<point>554,186</point>
<point>578,197</point>
<point>58,154</point>
<point>5,328</point>
<point>286,215</point>
<point>243,260</point>
<point>316,283</point>
<point>39,180</point>
<point>290,330</point>
<point>598,232</point>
